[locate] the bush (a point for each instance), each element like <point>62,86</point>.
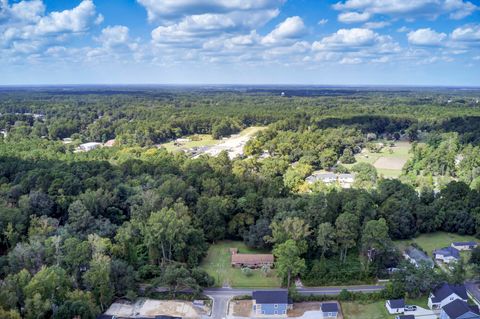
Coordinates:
<point>247,272</point>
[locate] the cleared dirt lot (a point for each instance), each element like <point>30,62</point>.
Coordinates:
<point>390,163</point>
<point>240,308</point>
<point>152,308</point>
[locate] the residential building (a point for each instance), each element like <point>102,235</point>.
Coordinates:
<point>327,178</point>
<point>405,317</point>
<point>465,245</point>
<point>395,306</point>
<point>417,257</point>
<point>270,303</point>
<point>346,178</point>
<point>329,309</point>
<point>459,309</point>
<point>89,146</point>
<point>447,254</point>
<point>251,260</point>
<point>445,294</point>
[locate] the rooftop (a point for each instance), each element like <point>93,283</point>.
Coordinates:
<point>446,290</point>
<point>418,255</point>
<point>270,296</point>
<point>329,307</point>
<point>448,252</point>
<point>397,303</point>
<point>458,308</point>
<point>252,258</point>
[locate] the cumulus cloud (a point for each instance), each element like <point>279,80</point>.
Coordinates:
<point>112,36</point>
<point>468,33</point>
<point>291,28</point>
<point>376,25</point>
<point>170,9</point>
<point>455,9</point>
<point>353,17</point>
<point>426,37</point>
<point>323,22</point>
<point>27,27</point>
<point>347,38</point>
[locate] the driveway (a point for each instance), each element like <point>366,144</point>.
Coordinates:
<point>422,313</point>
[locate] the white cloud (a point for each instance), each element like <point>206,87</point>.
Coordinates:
<point>408,9</point>
<point>376,25</point>
<point>468,33</point>
<point>426,37</point>
<point>353,17</point>
<point>112,36</point>
<point>168,9</point>
<point>291,28</point>
<point>347,39</point>
<point>350,60</point>
<point>403,29</point>
<point>323,22</point>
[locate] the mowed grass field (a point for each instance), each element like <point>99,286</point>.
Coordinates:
<point>389,162</point>
<point>436,240</point>
<point>217,264</point>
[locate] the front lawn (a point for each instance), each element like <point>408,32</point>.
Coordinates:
<point>356,310</point>
<point>217,264</point>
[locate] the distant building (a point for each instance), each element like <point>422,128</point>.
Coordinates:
<point>405,317</point>
<point>109,143</point>
<point>250,260</point>
<point>89,146</point>
<point>417,257</point>
<point>445,294</point>
<point>447,254</point>
<point>326,178</point>
<point>329,310</point>
<point>271,303</point>
<point>395,306</point>
<point>459,309</point>
<point>465,245</point>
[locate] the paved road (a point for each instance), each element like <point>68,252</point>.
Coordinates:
<point>221,296</point>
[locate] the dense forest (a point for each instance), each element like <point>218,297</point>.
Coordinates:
<point>79,229</point>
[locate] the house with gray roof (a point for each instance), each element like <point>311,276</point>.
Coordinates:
<point>395,306</point>
<point>459,309</point>
<point>326,178</point>
<point>464,245</point>
<point>447,254</point>
<point>446,294</point>
<point>417,257</point>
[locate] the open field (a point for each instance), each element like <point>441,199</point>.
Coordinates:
<point>205,144</point>
<point>152,308</point>
<point>429,242</point>
<point>217,264</point>
<point>389,162</point>
<point>356,310</point>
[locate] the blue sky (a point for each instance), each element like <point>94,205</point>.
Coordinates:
<point>366,42</point>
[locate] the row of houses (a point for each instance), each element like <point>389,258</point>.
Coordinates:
<point>450,301</point>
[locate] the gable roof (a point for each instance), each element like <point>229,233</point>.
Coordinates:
<point>446,290</point>
<point>418,255</point>
<point>270,296</point>
<point>397,303</point>
<point>329,307</point>
<point>252,259</point>
<point>464,243</point>
<point>448,252</point>
<point>457,308</point>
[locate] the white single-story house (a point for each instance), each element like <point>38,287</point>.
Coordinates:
<point>445,294</point>
<point>464,245</point>
<point>326,178</point>
<point>395,306</point>
<point>89,146</point>
<point>447,254</point>
<point>346,178</point>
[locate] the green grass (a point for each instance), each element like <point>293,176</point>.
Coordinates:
<point>429,242</point>
<point>356,310</point>
<point>399,151</point>
<point>217,264</point>
<point>375,310</point>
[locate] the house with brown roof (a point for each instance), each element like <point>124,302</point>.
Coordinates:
<point>251,260</point>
